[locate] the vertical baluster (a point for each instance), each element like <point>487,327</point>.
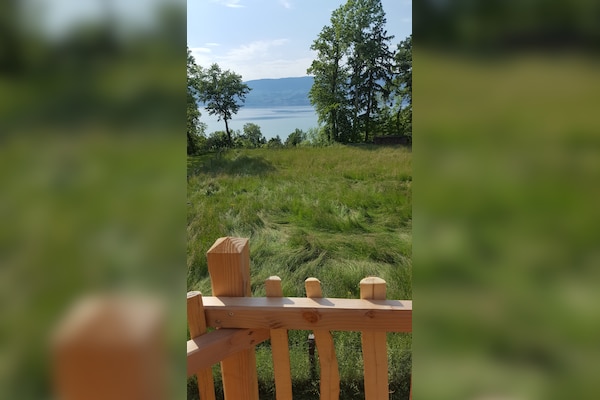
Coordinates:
<point>374,346</point>
<point>280,347</point>
<point>197,325</point>
<point>330,375</point>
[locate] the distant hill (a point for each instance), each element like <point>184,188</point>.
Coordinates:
<point>279,92</point>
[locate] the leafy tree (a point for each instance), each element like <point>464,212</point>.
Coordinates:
<point>317,137</point>
<point>398,118</point>
<point>351,71</point>
<point>195,128</point>
<point>369,60</point>
<point>274,143</point>
<point>403,85</point>
<point>329,93</point>
<point>221,91</point>
<point>217,140</point>
<point>295,138</point>
<point>253,135</point>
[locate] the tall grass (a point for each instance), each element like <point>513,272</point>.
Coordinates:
<point>338,213</point>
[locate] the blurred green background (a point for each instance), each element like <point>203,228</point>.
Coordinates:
<point>506,192</point>
<point>506,186</point>
<point>92,171</point>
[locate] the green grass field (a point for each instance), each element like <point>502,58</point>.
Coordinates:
<point>337,213</point>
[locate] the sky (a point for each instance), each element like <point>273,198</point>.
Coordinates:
<point>270,38</point>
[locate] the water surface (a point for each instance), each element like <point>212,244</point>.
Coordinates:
<point>272,121</point>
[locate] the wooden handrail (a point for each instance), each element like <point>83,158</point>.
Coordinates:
<point>308,314</point>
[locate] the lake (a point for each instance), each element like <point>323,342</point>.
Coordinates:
<point>272,121</point>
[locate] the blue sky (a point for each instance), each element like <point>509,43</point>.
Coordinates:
<point>270,38</point>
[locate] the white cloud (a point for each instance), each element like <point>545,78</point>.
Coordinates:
<point>230,3</point>
<point>254,50</point>
<point>286,3</point>
<point>256,60</point>
<point>277,68</point>
<point>197,50</point>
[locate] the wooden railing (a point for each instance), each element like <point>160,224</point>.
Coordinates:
<point>242,322</point>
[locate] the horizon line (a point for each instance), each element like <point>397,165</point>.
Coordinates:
<point>283,77</point>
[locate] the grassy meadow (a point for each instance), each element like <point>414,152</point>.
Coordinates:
<point>337,213</point>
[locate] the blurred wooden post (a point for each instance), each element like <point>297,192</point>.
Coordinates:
<point>374,346</point>
<point>229,268</point>
<point>280,347</point>
<point>197,325</point>
<point>111,347</point>
<point>330,374</point>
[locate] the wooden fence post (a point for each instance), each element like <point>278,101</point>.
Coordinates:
<point>330,374</point>
<point>111,347</point>
<point>197,325</point>
<point>374,346</point>
<point>280,347</point>
<point>229,268</point>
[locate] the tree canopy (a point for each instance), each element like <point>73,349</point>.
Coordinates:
<point>356,74</point>
<point>221,92</point>
<point>195,128</point>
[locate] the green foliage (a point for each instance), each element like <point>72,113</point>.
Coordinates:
<point>295,138</point>
<point>338,213</point>
<point>195,128</point>
<point>354,72</point>
<point>329,93</point>
<point>252,136</point>
<point>274,143</point>
<point>217,140</point>
<point>221,91</point>
<point>317,137</point>
<point>399,118</point>
<point>369,59</point>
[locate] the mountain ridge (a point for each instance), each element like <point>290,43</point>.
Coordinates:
<point>279,92</point>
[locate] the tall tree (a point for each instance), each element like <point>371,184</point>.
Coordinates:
<point>401,86</point>
<point>221,91</point>
<point>195,128</point>
<point>253,135</point>
<point>370,61</point>
<point>351,70</point>
<point>329,93</point>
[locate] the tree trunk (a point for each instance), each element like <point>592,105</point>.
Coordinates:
<point>228,133</point>
<point>370,98</point>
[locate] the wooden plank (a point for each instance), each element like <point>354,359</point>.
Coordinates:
<point>229,268</point>
<point>197,326</point>
<point>329,384</point>
<point>280,348</point>
<point>374,346</point>
<point>209,349</point>
<point>308,314</point>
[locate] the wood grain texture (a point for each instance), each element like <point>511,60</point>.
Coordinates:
<point>309,313</point>
<point>374,346</point>
<point>229,269</point>
<point>280,347</point>
<point>330,376</point>
<point>209,349</point>
<point>197,326</point>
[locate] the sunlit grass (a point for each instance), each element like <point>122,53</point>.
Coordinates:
<point>339,214</point>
